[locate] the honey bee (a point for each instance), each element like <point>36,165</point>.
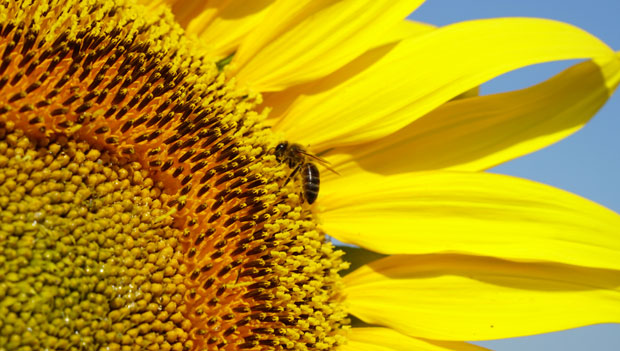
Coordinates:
<point>298,159</point>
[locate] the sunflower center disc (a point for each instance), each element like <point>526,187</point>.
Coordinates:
<point>140,205</point>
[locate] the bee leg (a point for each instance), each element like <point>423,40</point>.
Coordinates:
<point>290,176</point>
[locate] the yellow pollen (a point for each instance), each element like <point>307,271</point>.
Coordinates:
<point>141,204</point>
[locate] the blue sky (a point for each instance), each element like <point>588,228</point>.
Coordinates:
<point>587,163</point>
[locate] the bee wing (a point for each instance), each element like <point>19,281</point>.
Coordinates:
<point>320,160</point>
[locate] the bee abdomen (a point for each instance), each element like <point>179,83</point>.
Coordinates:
<point>311,180</point>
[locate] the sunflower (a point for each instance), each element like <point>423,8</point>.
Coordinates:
<point>159,171</point>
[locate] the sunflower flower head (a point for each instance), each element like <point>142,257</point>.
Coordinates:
<point>159,178</point>
<point>142,206</point>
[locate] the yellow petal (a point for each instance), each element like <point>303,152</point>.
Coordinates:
<point>279,101</point>
<point>187,10</point>
<point>454,297</point>
<point>223,33</point>
<point>404,30</point>
<point>305,40</point>
<point>424,72</point>
<point>479,133</point>
<point>471,213</point>
<point>385,339</point>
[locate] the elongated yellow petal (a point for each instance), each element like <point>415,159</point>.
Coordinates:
<point>185,11</point>
<point>454,297</point>
<point>223,33</point>
<point>479,133</point>
<point>280,101</point>
<point>426,71</point>
<point>472,213</point>
<point>385,339</point>
<point>405,30</point>
<point>303,40</point>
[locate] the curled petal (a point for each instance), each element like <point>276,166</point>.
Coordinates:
<point>478,133</point>
<point>424,72</point>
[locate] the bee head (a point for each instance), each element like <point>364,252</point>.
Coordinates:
<point>280,150</point>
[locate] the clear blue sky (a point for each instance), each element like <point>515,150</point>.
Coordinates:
<point>587,163</point>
